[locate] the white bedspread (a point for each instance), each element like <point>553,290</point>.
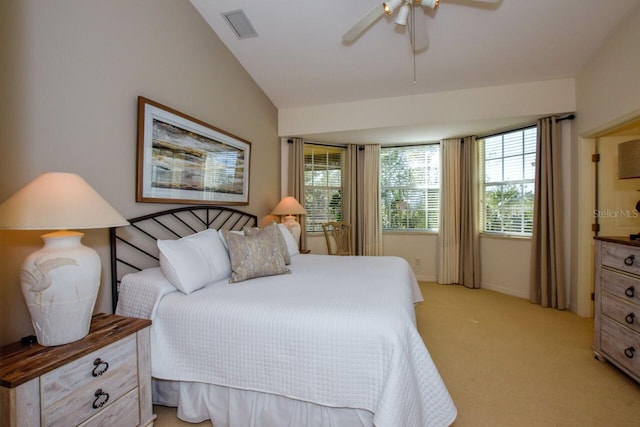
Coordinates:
<point>338,331</point>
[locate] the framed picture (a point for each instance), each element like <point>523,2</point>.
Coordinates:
<point>184,160</point>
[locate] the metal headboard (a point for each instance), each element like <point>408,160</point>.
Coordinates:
<point>134,247</point>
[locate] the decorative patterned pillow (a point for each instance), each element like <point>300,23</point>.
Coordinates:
<point>223,235</point>
<point>276,236</point>
<point>255,254</point>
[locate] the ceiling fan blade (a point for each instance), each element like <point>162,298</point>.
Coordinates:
<point>372,16</point>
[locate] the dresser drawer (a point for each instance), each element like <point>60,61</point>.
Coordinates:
<point>620,285</point>
<point>621,257</point>
<point>123,412</point>
<point>621,344</point>
<point>69,392</point>
<point>621,311</point>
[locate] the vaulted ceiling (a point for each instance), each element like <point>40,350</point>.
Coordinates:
<point>299,59</point>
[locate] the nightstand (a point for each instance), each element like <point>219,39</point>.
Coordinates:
<point>103,379</point>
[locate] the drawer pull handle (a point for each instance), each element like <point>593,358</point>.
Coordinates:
<point>630,291</point>
<point>629,351</point>
<point>629,318</point>
<point>100,367</point>
<point>629,260</point>
<point>102,398</point>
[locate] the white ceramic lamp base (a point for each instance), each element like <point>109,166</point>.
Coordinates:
<point>293,226</point>
<point>60,285</point>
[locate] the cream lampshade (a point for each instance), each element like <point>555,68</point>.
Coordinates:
<point>60,281</point>
<point>629,159</point>
<point>290,207</point>
<point>629,167</point>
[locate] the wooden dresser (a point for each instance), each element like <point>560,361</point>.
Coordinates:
<point>617,303</point>
<point>103,379</point>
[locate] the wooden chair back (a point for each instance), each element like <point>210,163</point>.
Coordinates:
<point>338,237</point>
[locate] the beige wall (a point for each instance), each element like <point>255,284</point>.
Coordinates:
<point>607,89</point>
<point>607,95</point>
<point>71,73</point>
<point>617,198</point>
<point>419,249</point>
<point>442,108</point>
<point>504,265</point>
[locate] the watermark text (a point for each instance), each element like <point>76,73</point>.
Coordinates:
<point>616,213</point>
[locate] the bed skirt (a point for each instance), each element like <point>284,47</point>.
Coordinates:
<point>229,407</point>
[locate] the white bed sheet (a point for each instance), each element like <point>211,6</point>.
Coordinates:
<point>337,331</point>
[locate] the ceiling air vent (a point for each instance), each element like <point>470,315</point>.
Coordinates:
<point>240,24</point>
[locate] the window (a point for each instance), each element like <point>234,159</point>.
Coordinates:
<point>410,187</point>
<point>507,168</point>
<point>323,178</point>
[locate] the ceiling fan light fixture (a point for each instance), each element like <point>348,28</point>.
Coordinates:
<point>433,4</point>
<point>403,13</point>
<point>390,6</point>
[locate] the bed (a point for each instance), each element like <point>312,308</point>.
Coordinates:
<point>328,341</point>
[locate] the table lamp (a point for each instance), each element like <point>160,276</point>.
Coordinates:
<point>290,207</point>
<point>60,281</point>
<point>629,167</point>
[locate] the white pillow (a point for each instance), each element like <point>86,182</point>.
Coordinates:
<point>193,261</point>
<point>292,245</point>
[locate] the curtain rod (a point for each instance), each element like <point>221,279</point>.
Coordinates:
<point>567,117</point>
<point>344,145</point>
<point>523,127</point>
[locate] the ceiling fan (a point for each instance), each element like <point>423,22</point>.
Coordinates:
<point>405,16</point>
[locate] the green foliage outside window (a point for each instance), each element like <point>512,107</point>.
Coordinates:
<point>508,164</point>
<point>410,187</point>
<point>508,209</point>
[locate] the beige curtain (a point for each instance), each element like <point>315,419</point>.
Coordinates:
<point>372,236</point>
<point>352,187</point>
<point>295,184</point>
<point>362,199</point>
<point>450,195</point>
<point>547,285</point>
<point>469,268</point>
<point>459,242</point>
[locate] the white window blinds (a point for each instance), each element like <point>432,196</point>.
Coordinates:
<point>410,187</point>
<point>508,175</point>
<point>323,179</point>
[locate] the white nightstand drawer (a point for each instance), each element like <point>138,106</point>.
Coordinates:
<point>77,391</point>
<point>63,377</point>
<point>124,412</point>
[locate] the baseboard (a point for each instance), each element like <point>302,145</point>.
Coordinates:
<point>426,278</point>
<point>504,290</point>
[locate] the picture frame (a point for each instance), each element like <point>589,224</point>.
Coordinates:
<point>181,159</point>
